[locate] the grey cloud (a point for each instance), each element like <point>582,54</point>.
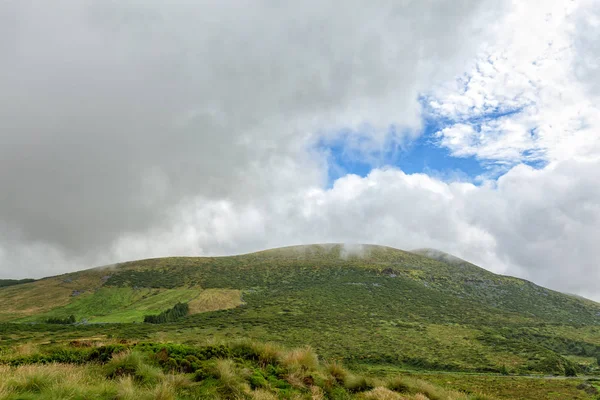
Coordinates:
<point>114,113</point>
<point>546,223</point>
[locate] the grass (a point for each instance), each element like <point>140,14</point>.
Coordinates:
<point>127,304</point>
<point>216,299</point>
<point>514,387</point>
<point>119,304</point>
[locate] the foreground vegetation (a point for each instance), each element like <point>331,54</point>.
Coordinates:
<point>238,370</point>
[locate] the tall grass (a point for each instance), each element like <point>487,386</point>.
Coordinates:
<point>254,371</point>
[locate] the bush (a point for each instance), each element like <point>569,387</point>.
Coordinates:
<point>257,380</point>
<point>133,364</point>
<point>570,370</point>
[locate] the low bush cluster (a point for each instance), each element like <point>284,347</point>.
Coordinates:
<point>61,321</point>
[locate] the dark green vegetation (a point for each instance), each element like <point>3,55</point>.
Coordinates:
<point>12,282</point>
<point>368,306</point>
<point>178,311</point>
<point>62,321</point>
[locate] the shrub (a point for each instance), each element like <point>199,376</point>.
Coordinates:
<point>132,364</point>
<point>570,370</point>
<point>61,321</point>
<point>257,380</point>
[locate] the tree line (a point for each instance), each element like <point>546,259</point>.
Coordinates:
<point>178,311</point>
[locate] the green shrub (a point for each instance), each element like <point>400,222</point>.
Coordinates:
<point>257,380</point>
<point>132,363</point>
<point>61,321</point>
<point>570,370</point>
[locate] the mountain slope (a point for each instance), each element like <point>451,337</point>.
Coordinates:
<point>366,304</point>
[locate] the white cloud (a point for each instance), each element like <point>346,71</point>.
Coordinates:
<point>529,72</point>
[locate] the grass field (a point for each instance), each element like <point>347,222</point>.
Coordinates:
<point>126,304</point>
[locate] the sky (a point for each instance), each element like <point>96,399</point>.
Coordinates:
<point>132,129</point>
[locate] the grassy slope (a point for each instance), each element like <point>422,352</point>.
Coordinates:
<point>123,304</point>
<point>367,305</point>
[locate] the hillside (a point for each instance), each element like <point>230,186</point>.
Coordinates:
<point>371,306</point>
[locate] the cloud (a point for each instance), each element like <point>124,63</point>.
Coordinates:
<point>587,46</point>
<point>522,96</point>
<point>545,223</point>
<point>113,113</point>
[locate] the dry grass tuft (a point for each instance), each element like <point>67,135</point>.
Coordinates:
<point>126,389</point>
<point>337,371</point>
<point>268,353</point>
<point>303,359</point>
<point>164,391</point>
<point>316,393</point>
<point>262,394</point>
<point>381,393</point>
<point>231,384</point>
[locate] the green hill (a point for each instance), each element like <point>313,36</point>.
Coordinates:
<point>372,307</point>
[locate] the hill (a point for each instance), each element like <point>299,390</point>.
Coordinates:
<point>372,307</point>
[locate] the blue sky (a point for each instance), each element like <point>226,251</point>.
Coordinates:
<point>422,155</point>
<point>425,154</point>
